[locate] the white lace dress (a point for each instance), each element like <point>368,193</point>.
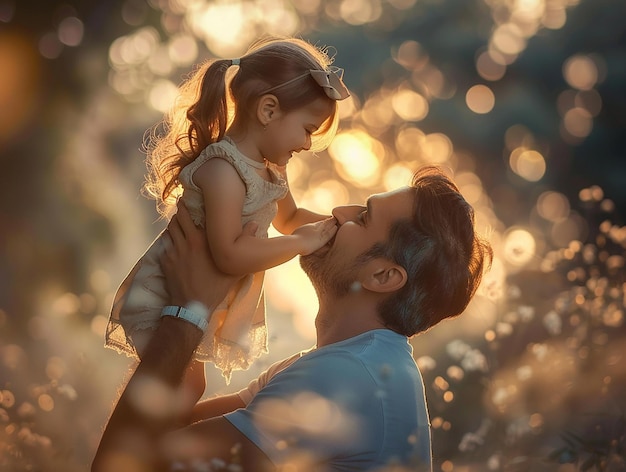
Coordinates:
<point>237,332</point>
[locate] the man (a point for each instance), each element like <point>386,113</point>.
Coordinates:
<point>395,267</point>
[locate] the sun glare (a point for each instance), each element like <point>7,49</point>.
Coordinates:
<point>357,157</point>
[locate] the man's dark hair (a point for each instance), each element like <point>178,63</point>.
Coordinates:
<point>441,252</point>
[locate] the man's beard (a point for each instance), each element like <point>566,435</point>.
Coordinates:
<point>328,278</point>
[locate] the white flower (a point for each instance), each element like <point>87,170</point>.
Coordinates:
<point>457,349</point>
<point>540,351</point>
<point>552,322</point>
<point>526,312</point>
<point>68,392</point>
<point>524,373</point>
<point>474,360</point>
<point>470,441</point>
<point>504,329</point>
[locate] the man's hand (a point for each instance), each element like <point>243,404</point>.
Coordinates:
<point>314,235</point>
<point>190,273</point>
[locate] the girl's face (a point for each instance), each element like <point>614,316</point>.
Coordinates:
<point>291,132</point>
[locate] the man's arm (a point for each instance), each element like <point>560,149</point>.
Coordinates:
<point>142,431</point>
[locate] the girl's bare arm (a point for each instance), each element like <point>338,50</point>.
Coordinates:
<point>290,216</point>
<point>236,253</point>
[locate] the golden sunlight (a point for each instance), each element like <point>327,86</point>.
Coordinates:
<point>324,196</point>
<point>357,157</point>
<point>223,27</point>
<point>397,175</point>
<point>162,95</point>
<point>290,291</point>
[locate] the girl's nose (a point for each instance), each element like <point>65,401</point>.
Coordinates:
<point>347,213</point>
<point>307,143</point>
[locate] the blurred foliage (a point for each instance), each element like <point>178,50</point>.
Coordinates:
<point>539,385</point>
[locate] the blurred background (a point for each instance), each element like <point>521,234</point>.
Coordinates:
<point>522,101</point>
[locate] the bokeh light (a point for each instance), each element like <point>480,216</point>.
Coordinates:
<point>488,68</point>
<point>357,156</point>
<point>480,99</point>
<point>553,206</point>
<point>580,72</point>
<point>409,105</point>
<point>528,164</point>
<point>519,246</point>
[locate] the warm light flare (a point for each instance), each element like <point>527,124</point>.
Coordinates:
<point>222,26</point>
<point>397,175</point>
<point>519,247</point>
<point>19,83</point>
<point>357,157</point>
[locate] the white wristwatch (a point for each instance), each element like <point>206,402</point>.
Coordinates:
<point>194,313</point>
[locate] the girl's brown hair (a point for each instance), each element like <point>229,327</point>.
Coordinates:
<point>208,103</point>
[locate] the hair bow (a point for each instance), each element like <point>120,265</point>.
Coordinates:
<point>330,80</point>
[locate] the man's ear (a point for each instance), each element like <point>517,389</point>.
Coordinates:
<point>383,276</point>
<point>268,109</point>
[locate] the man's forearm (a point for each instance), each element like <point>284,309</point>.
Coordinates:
<point>152,401</point>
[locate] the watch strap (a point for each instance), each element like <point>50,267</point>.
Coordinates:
<point>195,317</point>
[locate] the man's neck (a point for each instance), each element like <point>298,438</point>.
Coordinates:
<point>344,318</point>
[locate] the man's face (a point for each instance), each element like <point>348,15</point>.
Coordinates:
<point>333,269</point>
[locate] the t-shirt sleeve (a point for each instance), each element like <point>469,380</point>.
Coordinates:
<point>248,393</point>
<point>316,410</point>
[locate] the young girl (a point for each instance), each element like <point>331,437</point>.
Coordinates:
<point>227,143</point>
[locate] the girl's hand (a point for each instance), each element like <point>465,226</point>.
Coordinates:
<point>314,235</point>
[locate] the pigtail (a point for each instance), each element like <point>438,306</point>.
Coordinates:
<point>198,118</point>
<point>208,117</point>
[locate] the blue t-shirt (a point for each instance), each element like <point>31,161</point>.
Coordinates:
<point>358,404</point>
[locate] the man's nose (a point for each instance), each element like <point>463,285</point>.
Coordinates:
<point>346,213</point>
